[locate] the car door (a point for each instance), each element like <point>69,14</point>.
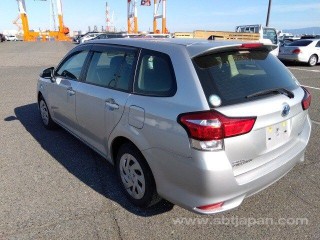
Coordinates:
<point>102,96</point>
<point>62,94</point>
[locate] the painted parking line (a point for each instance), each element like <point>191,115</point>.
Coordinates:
<point>302,69</point>
<point>310,87</point>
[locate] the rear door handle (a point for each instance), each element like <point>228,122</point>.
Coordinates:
<point>111,103</point>
<point>71,92</point>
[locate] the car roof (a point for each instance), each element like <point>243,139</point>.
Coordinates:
<point>309,39</point>
<point>194,47</point>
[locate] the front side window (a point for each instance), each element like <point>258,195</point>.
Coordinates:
<point>111,68</point>
<point>71,68</point>
<point>234,76</point>
<point>156,76</point>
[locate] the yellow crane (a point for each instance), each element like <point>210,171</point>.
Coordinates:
<point>60,35</point>
<point>133,15</point>
<point>162,16</point>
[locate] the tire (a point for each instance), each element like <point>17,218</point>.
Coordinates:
<point>135,176</point>
<point>313,60</point>
<point>45,115</point>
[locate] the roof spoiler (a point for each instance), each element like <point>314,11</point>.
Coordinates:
<point>240,46</point>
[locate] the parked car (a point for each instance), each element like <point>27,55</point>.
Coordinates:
<point>158,35</point>
<point>101,36</point>
<point>11,38</point>
<point>287,39</point>
<point>203,124</point>
<point>115,35</point>
<point>109,35</point>
<point>76,39</point>
<point>88,37</point>
<point>310,37</point>
<point>2,37</point>
<point>304,50</point>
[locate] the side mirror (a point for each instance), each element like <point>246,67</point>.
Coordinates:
<point>47,73</point>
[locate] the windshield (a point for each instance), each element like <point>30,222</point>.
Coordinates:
<point>232,76</point>
<point>300,43</point>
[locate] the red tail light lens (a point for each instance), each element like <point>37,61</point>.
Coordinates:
<point>296,51</point>
<point>306,101</point>
<point>211,206</point>
<point>251,45</point>
<point>212,125</point>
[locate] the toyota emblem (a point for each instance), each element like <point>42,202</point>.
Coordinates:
<point>285,110</point>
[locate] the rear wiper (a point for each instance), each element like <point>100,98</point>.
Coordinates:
<point>283,91</point>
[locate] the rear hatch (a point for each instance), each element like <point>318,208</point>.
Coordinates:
<point>248,83</point>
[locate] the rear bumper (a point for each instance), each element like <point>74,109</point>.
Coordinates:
<point>208,178</point>
<point>294,57</point>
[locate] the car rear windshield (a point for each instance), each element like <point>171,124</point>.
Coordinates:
<point>301,43</point>
<point>232,76</point>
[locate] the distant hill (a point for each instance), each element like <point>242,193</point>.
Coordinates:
<point>300,31</point>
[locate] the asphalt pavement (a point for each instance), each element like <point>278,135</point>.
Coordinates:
<point>52,186</point>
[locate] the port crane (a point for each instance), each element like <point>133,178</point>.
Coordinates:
<point>133,15</point>
<point>60,35</point>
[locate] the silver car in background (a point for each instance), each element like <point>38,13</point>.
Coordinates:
<point>304,50</point>
<point>203,124</point>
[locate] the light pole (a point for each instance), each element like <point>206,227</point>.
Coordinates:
<point>269,8</point>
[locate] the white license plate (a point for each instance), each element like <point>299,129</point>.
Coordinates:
<point>278,134</point>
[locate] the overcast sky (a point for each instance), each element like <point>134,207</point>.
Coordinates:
<point>184,15</point>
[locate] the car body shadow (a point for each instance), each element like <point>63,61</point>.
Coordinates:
<point>80,160</point>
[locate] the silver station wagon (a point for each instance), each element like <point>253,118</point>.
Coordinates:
<point>203,124</point>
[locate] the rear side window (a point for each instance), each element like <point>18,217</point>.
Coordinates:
<point>232,76</point>
<point>301,43</point>
<point>156,76</point>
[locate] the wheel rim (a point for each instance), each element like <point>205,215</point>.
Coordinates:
<point>44,112</point>
<point>313,60</point>
<point>132,176</point>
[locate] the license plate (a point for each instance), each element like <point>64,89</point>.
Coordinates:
<point>277,134</point>
<point>287,52</point>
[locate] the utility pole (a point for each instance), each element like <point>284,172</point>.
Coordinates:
<point>269,8</point>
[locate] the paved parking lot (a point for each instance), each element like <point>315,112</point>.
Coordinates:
<point>54,187</point>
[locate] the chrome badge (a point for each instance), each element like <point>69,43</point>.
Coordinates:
<point>285,110</point>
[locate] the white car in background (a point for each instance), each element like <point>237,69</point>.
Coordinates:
<point>11,38</point>
<point>304,50</point>
<point>88,37</point>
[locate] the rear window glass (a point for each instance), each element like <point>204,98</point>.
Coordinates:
<point>300,43</point>
<point>232,76</point>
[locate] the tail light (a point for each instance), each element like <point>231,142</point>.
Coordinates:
<point>296,51</point>
<point>208,129</point>
<point>306,101</point>
<point>251,45</point>
<point>211,206</point>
